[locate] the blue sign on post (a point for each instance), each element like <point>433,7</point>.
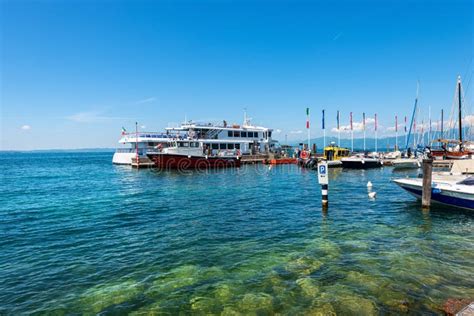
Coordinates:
<point>323,172</point>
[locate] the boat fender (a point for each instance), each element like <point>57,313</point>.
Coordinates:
<point>369,184</point>
<point>372,195</point>
<point>304,154</point>
<point>189,156</point>
<point>206,156</point>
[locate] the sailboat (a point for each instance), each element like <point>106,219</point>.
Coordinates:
<point>455,149</point>
<point>409,161</point>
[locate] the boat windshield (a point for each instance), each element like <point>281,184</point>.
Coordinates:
<point>467,181</point>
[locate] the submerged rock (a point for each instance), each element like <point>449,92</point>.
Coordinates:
<point>356,305</point>
<point>308,287</point>
<point>223,292</point>
<point>325,309</point>
<point>206,305</point>
<point>100,297</point>
<point>260,302</point>
<point>304,265</point>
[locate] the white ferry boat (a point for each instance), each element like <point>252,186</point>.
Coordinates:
<point>216,139</point>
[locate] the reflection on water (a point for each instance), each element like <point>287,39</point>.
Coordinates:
<point>83,236</point>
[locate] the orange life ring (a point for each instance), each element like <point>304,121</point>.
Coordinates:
<point>304,154</point>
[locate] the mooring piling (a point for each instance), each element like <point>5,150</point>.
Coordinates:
<point>324,182</point>
<point>426,190</point>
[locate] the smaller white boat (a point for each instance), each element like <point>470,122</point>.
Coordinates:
<point>454,188</point>
<point>406,163</point>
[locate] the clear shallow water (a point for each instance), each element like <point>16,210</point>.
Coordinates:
<point>81,236</point>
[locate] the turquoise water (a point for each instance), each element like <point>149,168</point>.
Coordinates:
<point>81,236</point>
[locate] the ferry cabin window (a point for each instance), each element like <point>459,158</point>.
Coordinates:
<point>222,146</point>
<point>194,144</point>
<point>249,134</point>
<point>269,134</point>
<point>236,134</point>
<point>183,144</point>
<point>243,134</point>
<point>237,146</point>
<point>230,134</point>
<point>215,146</point>
<point>230,146</point>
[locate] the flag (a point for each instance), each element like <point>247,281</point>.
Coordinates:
<point>405,124</point>
<point>351,121</point>
<point>323,120</point>
<point>337,120</point>
<point>396,123</point>
<point>376,121</point>
<point>363,121</point>
<point>124,131</point>
<point>307,118</point>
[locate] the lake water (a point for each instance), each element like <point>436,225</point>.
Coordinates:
<point>81,236</point>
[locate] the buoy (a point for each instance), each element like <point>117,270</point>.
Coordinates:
<point>372,195</point>
<point>369,184</point>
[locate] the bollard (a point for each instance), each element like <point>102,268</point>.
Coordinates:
<point>426,189</point>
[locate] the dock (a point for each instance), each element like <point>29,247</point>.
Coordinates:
<point>142,162</point>
<point>254,159</point>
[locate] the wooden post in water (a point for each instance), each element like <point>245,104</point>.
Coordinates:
<point>426,189</point>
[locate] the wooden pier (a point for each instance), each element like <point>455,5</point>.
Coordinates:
<point>254,159</point>
<point>142,162</point>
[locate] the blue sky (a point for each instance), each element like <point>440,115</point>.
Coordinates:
<point>74,72</point>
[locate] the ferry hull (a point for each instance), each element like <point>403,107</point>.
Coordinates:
<point>182,162</point>
<point>123,158</point>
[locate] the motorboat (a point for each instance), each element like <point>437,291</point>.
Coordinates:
<point>454,188</point>
<point>361,161</point>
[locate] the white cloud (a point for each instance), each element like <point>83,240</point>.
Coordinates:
<point>147,100</point>
<point>142,126</point>
<point>26,127</point>
<point>278,131</point>
<point>296,132</point>
<point>357,126</point>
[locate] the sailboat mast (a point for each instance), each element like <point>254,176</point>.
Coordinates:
<point>442,119</point>
<point>460,114</point>
<point>412,118</point>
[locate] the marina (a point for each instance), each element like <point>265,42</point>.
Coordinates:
<point>237,158</point>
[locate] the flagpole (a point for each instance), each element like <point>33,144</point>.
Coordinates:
<point>338,131</point>
<point>396,133</point>
<point>352,136</point>
<point>324,133</point>
<point>375,132</point>
<point>307,127</point>
<point>363,127</point>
